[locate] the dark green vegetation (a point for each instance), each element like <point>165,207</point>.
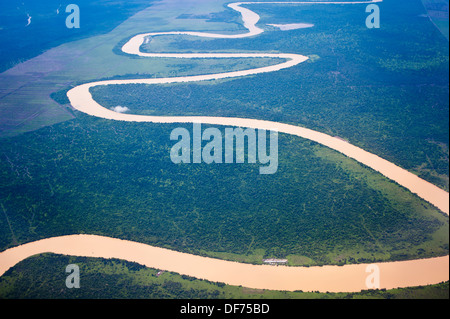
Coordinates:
<point>69,56</point>
<point>48,28</point>
<point>25,90</point>
<point>383,90</point>
<point>116,179</point>
<point>43,277</point>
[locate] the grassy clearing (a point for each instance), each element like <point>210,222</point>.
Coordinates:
<point>90,59</point>
<point>321,207</point>
<point>254,257</point>
<point>94,58</point>
<point>438,13</point>
<point>398,197</point>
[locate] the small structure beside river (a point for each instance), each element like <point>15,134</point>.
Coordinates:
<point>277,262</point>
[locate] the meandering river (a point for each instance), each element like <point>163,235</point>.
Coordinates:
<point>348,278</point>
